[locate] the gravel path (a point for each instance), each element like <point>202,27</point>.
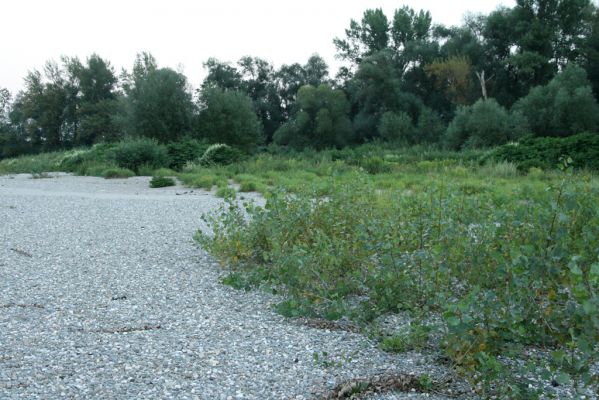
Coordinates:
<point>103,294</point>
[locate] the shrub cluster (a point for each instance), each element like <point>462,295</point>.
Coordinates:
<point>219,154</point>
<point>545,152</point>
<point>133,154</point>
<point>503,272</point>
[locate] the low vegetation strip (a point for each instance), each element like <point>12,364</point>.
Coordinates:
<point>503,266</point>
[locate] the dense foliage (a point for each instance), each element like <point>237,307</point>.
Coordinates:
<point>404,79</point>
<point>545,152</point>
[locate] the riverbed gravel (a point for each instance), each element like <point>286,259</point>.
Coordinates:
<point>104,294</point>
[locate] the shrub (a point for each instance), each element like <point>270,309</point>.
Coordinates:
<point>483,124</point>
<point>132,154</point>
<point>544,152</point>
<point>523,273</point>
<point>397,127</point>
<point>226,192</point>
<point>162,181</point>
<point>113,173</point>
<point>375,165</point>
<point>185,150</point>
<point>219,154</point>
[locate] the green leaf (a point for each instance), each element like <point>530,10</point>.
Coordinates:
<point>453,321</point>
<point>562,378</point>
<point>589,307</point>
<point>575,269</point>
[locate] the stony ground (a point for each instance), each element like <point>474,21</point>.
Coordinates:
<point>103,294</point>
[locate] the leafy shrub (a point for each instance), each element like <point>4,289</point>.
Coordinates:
<point>544,153</point>
<point>226,192</point>
<point>375,165</point>
<point>164,172</point>
<point>145,170</point>
<point>483,124</point>
<point>519,271</point>
<point>185,150</point>
<point>219,154</point>
<point>248,186</point>
<point>397,127</point>
<point>162,181</point>
<point>113,173</point>
<point>132,154</point>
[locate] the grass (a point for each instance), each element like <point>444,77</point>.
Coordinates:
<point>115,173</point>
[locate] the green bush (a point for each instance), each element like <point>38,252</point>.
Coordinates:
<point>501,272</point>
<point>219,154</point>
<point>226,192</point>
<point>135,153</point>
<point>397,127</point>
<point>162,181</point>
<point>565,106</point>
<point>113,173</point>
<point>185,150</point>
<point>545,152</point>
<point>483,124</point>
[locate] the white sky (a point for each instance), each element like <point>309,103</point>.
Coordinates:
<point>187,32</point>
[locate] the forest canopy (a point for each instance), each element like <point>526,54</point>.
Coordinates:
<point>532,69</point>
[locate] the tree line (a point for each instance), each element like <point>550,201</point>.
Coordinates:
<point>529,69</point>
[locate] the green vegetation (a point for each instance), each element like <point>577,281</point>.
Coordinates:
<point>219,154</point>
<point>526,69</point>
<point>114,173</point>
<point>502,261</point>
<point>544,153</point>
<point>162,181</point>
<point>134,154</point>
<point>421,180</point>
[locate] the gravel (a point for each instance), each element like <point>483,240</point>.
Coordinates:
<point>103,294</point>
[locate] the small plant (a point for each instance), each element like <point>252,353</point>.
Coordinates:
<point>415,339</point>
<point>325,360</point>
<point>248,186</point>
<point>40,175</point>
<point>226,193</point>
<point>114,173</point>
<point>162,181</point>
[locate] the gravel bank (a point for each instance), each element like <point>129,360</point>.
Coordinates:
<point>103,294</point>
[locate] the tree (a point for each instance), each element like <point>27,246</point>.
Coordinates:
<point>44,111</point>
<point>160,103</point>
<point>97,100</point>
<point>290,78</point>
<point>591,63</point>
<point>452,76</point>
<point>321,120</point>
<point>256,78</point>
<point>565,106</point>
<point>228,117</point>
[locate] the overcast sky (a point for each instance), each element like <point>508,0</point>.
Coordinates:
<point>187,32</point>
